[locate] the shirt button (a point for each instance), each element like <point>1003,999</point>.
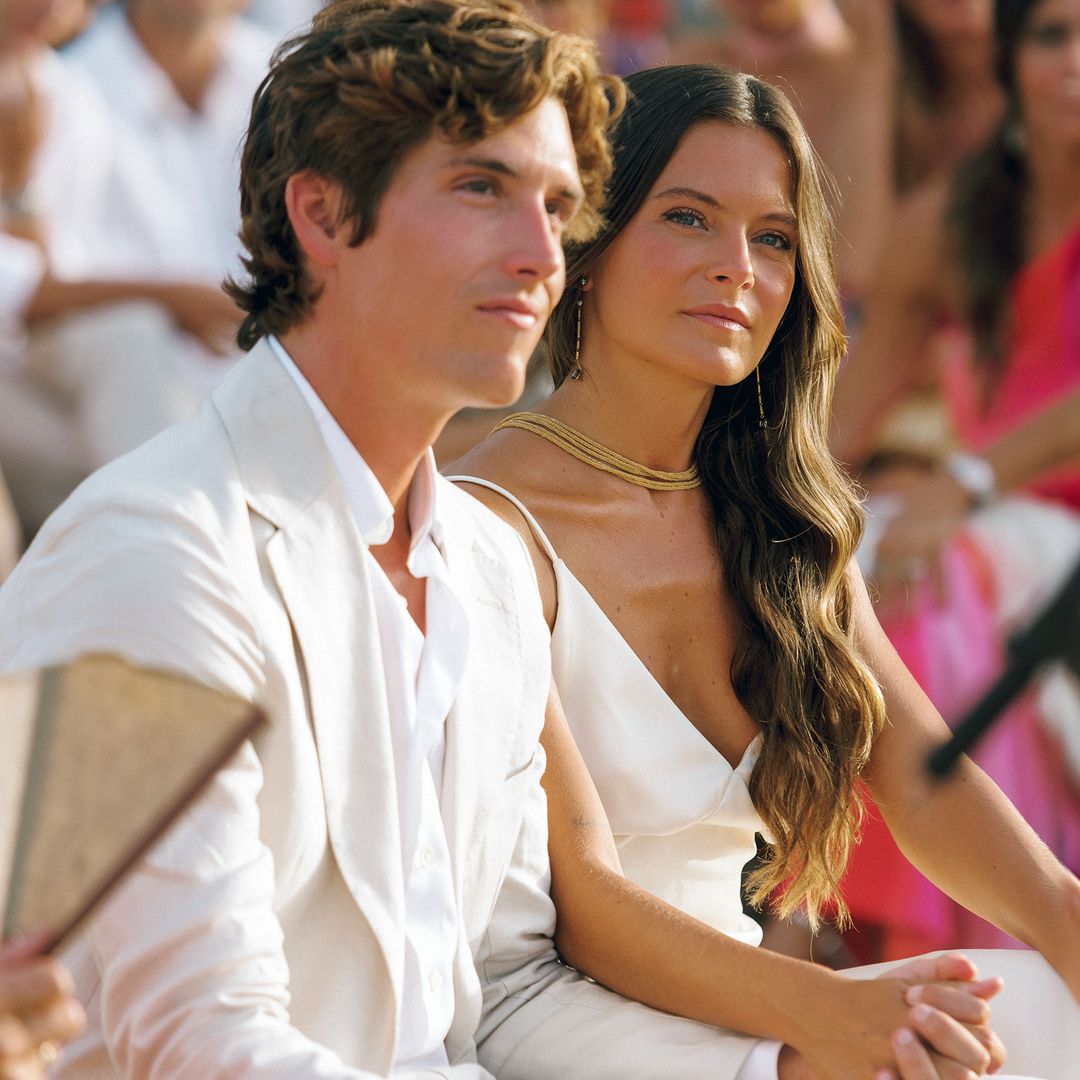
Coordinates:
<point>427,857</point>
<point>435,981</point>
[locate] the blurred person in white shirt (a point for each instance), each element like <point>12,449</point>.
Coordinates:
<point>95,355</point>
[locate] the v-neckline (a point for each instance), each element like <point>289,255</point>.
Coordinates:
<point>564,571</point>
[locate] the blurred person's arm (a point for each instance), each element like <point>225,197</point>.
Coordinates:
<point>37,1011</point>
<point>30,292</point>
<point>862,145</point>
<point>935,508</point>
<point>910,292</point>
<point>23,120</point>
<point>201,310</point>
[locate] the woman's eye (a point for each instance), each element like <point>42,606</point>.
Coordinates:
<point>684,216</point>
<point>776,240</point>
<point>1049,34</point>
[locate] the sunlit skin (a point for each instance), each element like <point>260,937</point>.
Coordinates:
<point>686,298</point>
<point>442,305</point>
<point>691,293</point>
<point>716,230</point>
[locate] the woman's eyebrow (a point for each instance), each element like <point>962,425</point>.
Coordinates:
<point>688,193</point>
<point>781,217</point>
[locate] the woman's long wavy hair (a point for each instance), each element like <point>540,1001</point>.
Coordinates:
<point>787,521</point>
<point>986,212</point>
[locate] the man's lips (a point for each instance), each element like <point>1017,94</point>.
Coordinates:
<point>719,315</point>
<point>518,313</point>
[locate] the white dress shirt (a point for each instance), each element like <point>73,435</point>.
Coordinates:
<point>174,211</point>
<point>423,673</point>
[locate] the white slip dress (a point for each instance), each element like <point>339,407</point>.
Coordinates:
<point>685,826</point>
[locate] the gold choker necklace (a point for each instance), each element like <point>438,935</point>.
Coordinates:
<point>600,457</point>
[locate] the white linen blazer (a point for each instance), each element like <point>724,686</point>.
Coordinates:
<point>263,938</point>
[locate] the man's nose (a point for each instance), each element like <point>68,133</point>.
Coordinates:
<point>534,244</point>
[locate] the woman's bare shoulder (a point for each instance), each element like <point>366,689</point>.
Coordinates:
<point>503,459</point>
<point>512,460</point>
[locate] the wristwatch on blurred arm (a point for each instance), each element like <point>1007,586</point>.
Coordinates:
<point>974,474</point>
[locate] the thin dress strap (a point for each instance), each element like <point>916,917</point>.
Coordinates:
<point>537,531</point>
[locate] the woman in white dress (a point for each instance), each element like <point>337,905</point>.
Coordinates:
<point>718,658</point>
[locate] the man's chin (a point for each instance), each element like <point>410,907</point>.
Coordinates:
<point>499,387</point>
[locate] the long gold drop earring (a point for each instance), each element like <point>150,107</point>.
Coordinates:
<point>575,371</point>
<point>760,403</point>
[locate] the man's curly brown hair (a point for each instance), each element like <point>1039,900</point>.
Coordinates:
<point>371,80</point>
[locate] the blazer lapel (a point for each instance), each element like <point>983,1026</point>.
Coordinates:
<point>318,562</point>
<point>485,730</point>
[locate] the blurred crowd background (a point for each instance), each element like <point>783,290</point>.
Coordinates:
<point>952,131</point>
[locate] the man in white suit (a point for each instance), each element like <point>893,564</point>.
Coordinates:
<point>364,891</point>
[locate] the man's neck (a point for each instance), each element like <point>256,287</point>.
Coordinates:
<point>390,429</point>
<point>188,51</point>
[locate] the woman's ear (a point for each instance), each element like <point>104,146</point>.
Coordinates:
<point>314,206</point>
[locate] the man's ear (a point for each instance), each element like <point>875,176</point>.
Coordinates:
<point>314,206</point>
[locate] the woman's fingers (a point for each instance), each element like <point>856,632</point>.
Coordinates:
<point>954,1000</point>
<point>967,1003</point>
<point>951,1039</point>
<point>912,1058</point>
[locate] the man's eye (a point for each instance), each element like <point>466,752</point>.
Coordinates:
<point>478,185</point>
<point>561,211</point>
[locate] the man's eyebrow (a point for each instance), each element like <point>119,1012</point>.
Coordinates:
<point>497,165</point>
<point>781,217</point>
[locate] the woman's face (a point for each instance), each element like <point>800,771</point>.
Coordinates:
<point>699,279</point>
<point>1048,72</point>
<point>945,21</point>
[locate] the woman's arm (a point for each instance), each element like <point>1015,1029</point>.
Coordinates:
<point>636,944</point>
<point>963,833</point>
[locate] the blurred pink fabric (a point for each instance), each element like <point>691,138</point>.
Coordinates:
<point>954,645</point>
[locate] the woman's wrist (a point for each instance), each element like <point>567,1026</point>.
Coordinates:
<point>1060,937</point>
<point>810,1007</point>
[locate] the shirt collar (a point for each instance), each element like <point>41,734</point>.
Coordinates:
<point>370,505</point>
